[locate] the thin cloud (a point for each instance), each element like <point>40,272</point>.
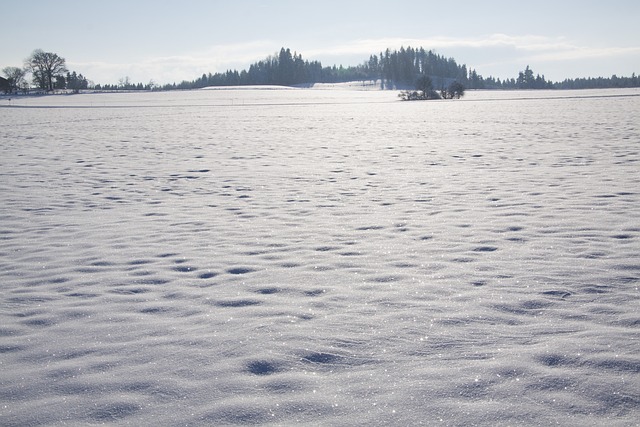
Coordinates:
<point>175,68</point>
<point>577,53</point>
<point>436,43</point>
<point>526,43</point>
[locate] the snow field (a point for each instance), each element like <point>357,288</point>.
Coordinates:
<point>320,258</point>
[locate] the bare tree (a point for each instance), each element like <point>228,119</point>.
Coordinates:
<point>124,82</point>
<point>45,66</point>
<point>15,77</point>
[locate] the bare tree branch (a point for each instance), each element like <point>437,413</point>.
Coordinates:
<point>45,66</point>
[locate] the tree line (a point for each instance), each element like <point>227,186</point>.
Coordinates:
<point>49,72</point>
<point>527,80</point>
<point>391,69</point>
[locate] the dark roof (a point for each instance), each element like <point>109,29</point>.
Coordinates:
<point>4,84</point>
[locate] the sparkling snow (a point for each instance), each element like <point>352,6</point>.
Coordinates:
<point>320,257</point>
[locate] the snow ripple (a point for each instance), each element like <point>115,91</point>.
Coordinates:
<point>378,263</point>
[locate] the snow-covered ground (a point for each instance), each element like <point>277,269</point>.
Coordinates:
<point>321,258</point>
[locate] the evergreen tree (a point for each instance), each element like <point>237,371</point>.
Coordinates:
<point>60,82</point>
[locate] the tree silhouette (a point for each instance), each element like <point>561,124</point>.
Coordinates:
<point>424,84</point>
<point>455,90</point>
<point>14,77</point>
<point>45,67</point>
<point>424,90</point>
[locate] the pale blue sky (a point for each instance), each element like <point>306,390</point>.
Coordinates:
<point>179,40</point>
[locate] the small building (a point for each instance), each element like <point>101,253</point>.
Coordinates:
<point>4,85</point>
